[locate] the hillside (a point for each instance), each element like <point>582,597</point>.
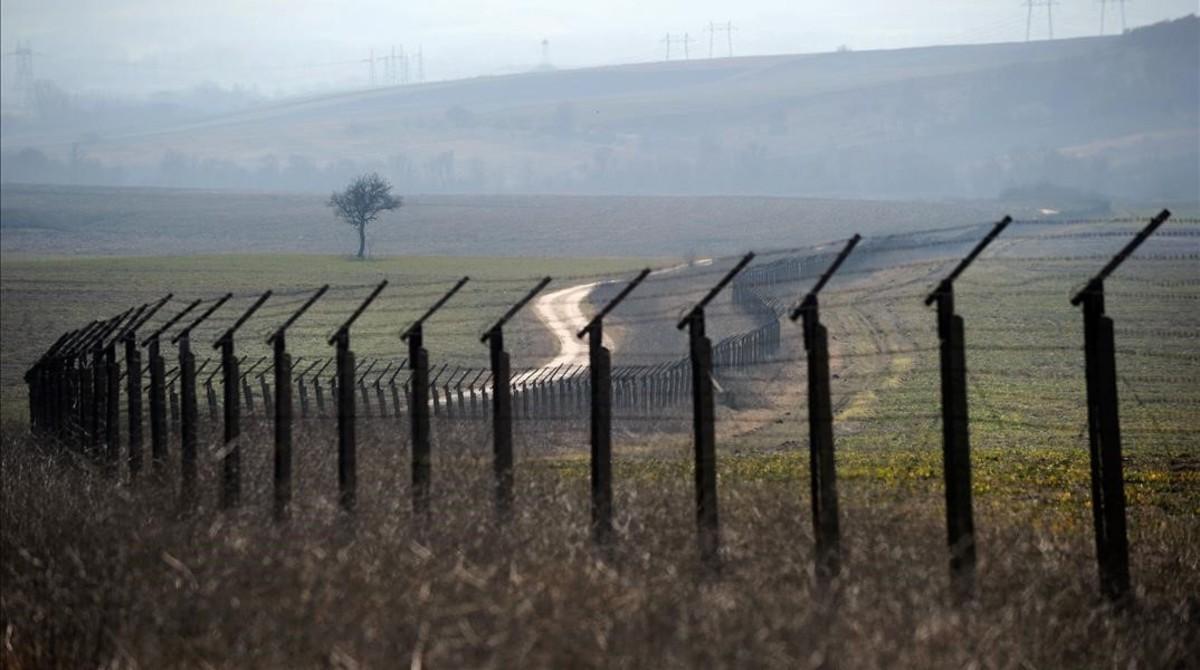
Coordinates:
<point>1116,115</point>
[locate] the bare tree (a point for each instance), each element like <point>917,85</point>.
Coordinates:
<point>362,202</point>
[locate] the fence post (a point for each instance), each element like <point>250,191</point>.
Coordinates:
<point>318,389</point>
<point>396,409</point>
<point>87,385</point>
<point>188,442</point>
<point>418,359</point>
<point>347,454</point>
<point>361,385</point>
<point>265,389</point>
<point>231,464</point>
<point>173,397</point>
<point>380,398</point>
<point>133,387</point>
<point>822,468</point>
<point>70,369</point>
<point>103,402</point>
<point>96,413</point>
<point>49,375</point>
<point>304,389</point>
<point>1104,426</point>
<point>502,446</point>
<point>64,392</point>
<point>704,421</point>
<point>112,407</point>
<point>600,364</point>
<point>211,395</point>
<point>956,445</point>
<point>247,391</point>
<point>283,408</point>
<point>158,392</point>
<point>158,401</point>
<point>38,378</point>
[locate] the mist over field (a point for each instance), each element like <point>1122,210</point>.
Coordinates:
<point>1103,117</point>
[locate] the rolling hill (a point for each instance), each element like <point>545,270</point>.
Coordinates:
<point>1118,115</point>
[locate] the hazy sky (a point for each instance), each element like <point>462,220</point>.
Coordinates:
<point>290,46</point>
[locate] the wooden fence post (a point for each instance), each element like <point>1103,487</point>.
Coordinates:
<point>822,467</point>
<point>318,389</point>
<point>600,364</point>
<point>347,451</point>
<point>380,398</point>
<point>247,391</point>
<point>282,362</point>
<point>419,404</point>
<point>502,445</point>
<point>158,393</point>
<point>231,464</point>
<point>264,388</point>
<point>112,408</point>
<point>704,422</point>
<point>189,428</point>
<point>133,388</point>
<point>956,446</point>
<point>1104,426</point>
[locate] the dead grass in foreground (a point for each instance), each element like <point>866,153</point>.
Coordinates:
<point>102,575</point>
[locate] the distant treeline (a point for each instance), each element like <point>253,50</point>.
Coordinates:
<point>750,169</point>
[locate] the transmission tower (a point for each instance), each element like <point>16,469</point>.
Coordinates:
<point>1049,5</point>
<point>684,39</point>
<point>713,29</point>
<point>1104,5</point>
<point>726,28</point>
<point>23,75</point>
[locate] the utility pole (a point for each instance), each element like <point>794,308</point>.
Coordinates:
<point>686,40</point>
<point>420,65</point>
<point>1029,5</point>
<point>712,31</point>
<point>545,54</point>
<point>667,40</point>
<point>371,65</point>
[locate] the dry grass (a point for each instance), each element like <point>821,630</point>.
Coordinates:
<point>102,575</point>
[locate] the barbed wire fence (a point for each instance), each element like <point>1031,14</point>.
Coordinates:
<point>739,362</point>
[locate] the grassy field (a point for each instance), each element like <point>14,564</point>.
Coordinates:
<point>44,297</point>
<point>102,572</point>
<point>42,220</point>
